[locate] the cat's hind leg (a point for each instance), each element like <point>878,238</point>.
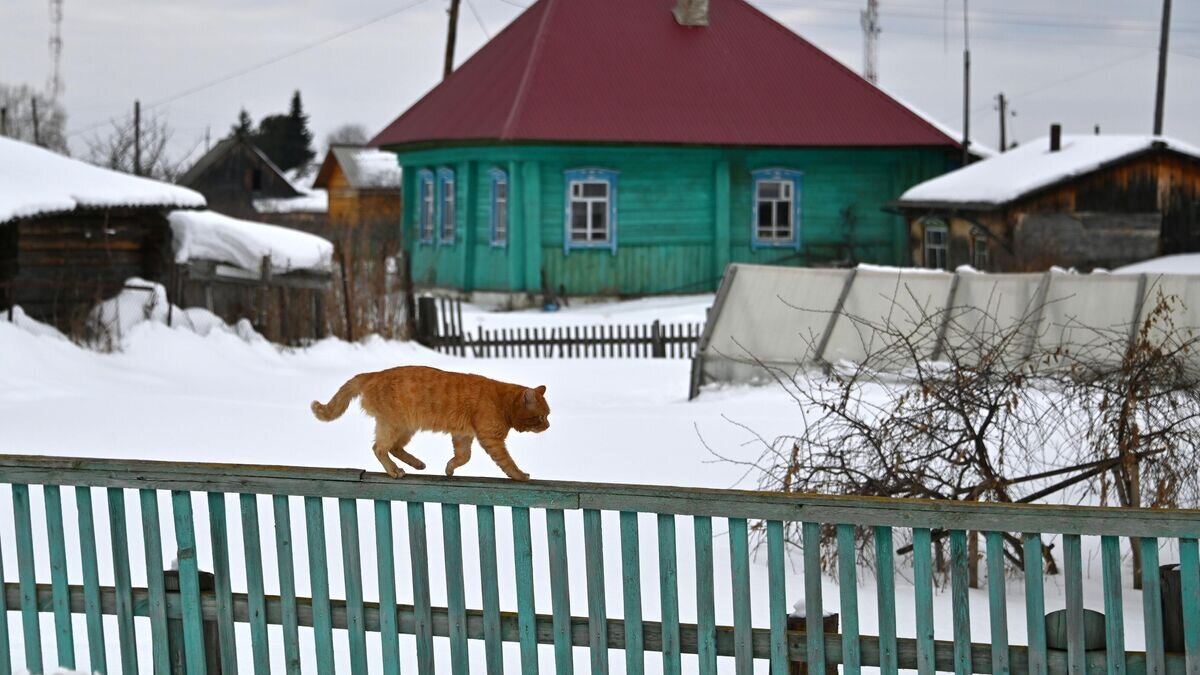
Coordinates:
<point>462,453</point>
<point>496,449</point>
<point>403,436</point>
<point>385,438</point>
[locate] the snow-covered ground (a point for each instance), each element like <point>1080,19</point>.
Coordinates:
<point>173,394</point>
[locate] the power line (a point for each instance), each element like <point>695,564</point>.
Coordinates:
<point>261,64</point>
<point>1076,76</point>
<point>478,20</point>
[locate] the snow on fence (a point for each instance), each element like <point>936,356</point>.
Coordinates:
<point>781,317</point>
<point>442,329</point>
<point>193,617</point>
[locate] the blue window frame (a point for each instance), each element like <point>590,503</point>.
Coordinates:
<point>426,206</point>
<point>776,218</point>
<point>499,207</point>
<point>591,210</point>
<point>447,200</point>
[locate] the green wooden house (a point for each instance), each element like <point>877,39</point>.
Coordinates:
<point>631,147</point>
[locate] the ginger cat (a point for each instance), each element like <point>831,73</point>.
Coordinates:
<point>409,399</point>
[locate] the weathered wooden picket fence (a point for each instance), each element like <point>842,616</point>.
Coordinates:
<point>440,326</point>
<point>178,618</point>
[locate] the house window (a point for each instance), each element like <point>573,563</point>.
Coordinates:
<point>980,257</point>
<point>776,208</point>
<point>499,207</point>
<point>256,180</point>
<point>447,199</point>
<point>937,243</point>
<point>591,214</point>
<point>425,216</point>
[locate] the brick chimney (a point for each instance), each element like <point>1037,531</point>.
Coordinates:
<point>691,12</point>
<point>1055,137</point>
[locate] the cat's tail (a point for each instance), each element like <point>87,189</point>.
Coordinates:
<point>341,400</point>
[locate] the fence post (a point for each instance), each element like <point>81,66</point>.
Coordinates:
<point>212,638</point>
<point>427,328</point>
<point>658,349</point>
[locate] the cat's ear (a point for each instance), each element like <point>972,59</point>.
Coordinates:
<point>541,389</point>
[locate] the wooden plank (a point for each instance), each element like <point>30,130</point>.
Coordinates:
<point>97,660</point>
<point>523,567</point>
<point>287,584</point>
<point>56,540</point>
<point>490,583</point>
<point>352,572</point>
<point>385,556</point>
<point>631,586</point>
<point>189,583</point>
<point>706,624</point>
<point>814,614</point>
<point>668,589</point>
<point>5,647</point>
<point>1114,618</point>
<point>777,584</point>
<point>739,565</point>
<point>960,602</point>
<point>256,596</point>
<point>318,575</point>
<point>885,581</point>
<point>1152,608</point>
<point>923,591</point>
<point>1189,569</point>
<point>593,544</point>
<point>219,531</point>
<point>456,597</point>
<point>418,548</point>
<point>155,582</point>
<point>1035,603</point>
<point>119,537</point>
<point>26,572</point>
<point>560,598</point>
<point>848,588</point>
<point>997,603</point>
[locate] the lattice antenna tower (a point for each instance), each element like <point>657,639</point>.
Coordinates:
<point>869,18</point>
<point>54,86</point>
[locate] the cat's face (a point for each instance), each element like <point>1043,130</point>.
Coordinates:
<point>533,413</point>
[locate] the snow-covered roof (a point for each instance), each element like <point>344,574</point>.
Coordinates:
<point>365,168</point>
<point>1181,263</point>
<point>208,235</point>
<point>35,181</point>
<point>1013,174</point>
<point>311,201</point>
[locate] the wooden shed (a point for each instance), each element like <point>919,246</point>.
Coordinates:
<point>71,233</point>
<point>607,149</point>
<point>363,188</point>
<point>1084,201</point>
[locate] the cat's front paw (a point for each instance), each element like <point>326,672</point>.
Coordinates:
<point>518,475</point>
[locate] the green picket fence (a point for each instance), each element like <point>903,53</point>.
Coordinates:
<point>179,607</point>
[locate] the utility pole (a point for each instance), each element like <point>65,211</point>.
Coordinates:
<point>451,35</point>
<point>1002,106</point>
<point>966,145</point>
<point>3,121</point>
<point>37,129</point>
<point>137,138</point>
<point>870,26</point>
<point>1162,68</point>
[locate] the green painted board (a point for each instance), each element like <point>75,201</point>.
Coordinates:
<point>1152,616</point>
<point>1076,637</point>
<point>385,557</point>
<point>1189,567</point>
<point>739,565</point>
<point>97,661</point>
<point>923,589</point>
<point>218,523</point>
<point>631,589</point>
<point>1114,613</point>
<point>960,602</point>
<point>885,582</point>
<point>194,654</point>
<point>997,602</point>
<point>318,574</point>
<point>255,595</point>
<point>593,545</point>
<point>456,598</point>
<point>155,582</point>
<point>523,570</point>
<point>814,614</point>
<point>668,589</point>
<point>560,589</point>
<point>127,638</point>
<point>352,572</point>
<point>56,539</point>
<point>286,557</point>
<point>5,647</point>
<point>1035,603</point>
<point>777,584</point>
<point>26,574</point>
<point>706,618</point>
<point>489,578</point>
<point>848,588</point>
<point>418,547</point>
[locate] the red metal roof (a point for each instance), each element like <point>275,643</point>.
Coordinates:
<point>625,71</point>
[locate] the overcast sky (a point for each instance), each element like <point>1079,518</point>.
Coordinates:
<point>1078,62</point>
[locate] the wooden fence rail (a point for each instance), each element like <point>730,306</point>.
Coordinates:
<point>193,622</point>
